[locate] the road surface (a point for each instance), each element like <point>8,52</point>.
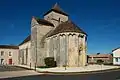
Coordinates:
<point>14,71</point>
<point>109,75</point>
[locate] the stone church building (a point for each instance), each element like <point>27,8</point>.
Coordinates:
<point>54,36</point>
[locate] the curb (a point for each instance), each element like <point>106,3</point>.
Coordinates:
<point>85,72</point>
<point>25,67</point>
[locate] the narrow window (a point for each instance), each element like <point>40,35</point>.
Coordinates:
<point>2,53</point>
<point>116,59</point>
<point>10,54</point>
<point>59,20</point>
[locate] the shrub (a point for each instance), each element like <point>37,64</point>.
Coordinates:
<point>64,65</point>
<point>49,62</point>
<point>100,61</point>
<point>42,67</point>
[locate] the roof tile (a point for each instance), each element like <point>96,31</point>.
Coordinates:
<point>67,26</point>
<point>26,40</point>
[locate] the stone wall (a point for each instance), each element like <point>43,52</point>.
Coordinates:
<point>34,26</point>
<point>25,53</point>
<point>39,46</point>
<point>82,58</point>
<point>54,18</point>
<point>65,49</point>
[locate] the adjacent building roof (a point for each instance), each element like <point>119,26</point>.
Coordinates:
<point>115,49</point>
<point>57,9</point>
<point>100,55</point>
<point>9,47</point>
<point>26,40</point>
<point>43,21</point>
<point>67,26</point>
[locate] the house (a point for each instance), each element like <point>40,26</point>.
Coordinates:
<point>94,58</point>
<point>116,56</point>
<point>54,36</point>
<point>9,55</point>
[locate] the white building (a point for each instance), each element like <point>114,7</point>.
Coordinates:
<point>116,56</point>
<point>9,54</point>
<point>54,36</point>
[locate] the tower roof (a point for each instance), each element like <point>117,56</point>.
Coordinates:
<point>56,8</point>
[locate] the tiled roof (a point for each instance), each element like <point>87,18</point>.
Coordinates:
<point>44,22</point>
<point>9,47</point>
<point>100,55</point>
<point>57,9</point>
<point>26,40</point>
<point>67,26</point>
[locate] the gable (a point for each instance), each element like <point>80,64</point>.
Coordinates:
<point>56,8</point>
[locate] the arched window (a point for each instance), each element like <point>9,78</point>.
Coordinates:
<point>59,20</point>
<point>2,53</point>
<point>82,36</point>
<point>70,34</point>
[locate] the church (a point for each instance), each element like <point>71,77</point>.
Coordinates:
<point>54,36</point>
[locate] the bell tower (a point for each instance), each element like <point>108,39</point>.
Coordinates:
<point>56,15</point>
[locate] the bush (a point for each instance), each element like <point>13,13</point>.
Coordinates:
<point>49,62</point>
<point>100,61</point>
<point>108,63</point>
<point>42,67</point>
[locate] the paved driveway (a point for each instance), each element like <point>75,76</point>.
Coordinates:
<point>10,68</point>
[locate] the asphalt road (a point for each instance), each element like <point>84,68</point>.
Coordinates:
<point>15,71</point>
<point>111,75</point>
<point>10,68</point>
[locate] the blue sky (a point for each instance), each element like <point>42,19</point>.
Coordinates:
<point>100,19</point>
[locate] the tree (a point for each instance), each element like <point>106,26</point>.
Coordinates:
<point>98,53</point>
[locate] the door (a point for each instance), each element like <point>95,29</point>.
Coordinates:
<point>10,61</point>
<point>1,61</point>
